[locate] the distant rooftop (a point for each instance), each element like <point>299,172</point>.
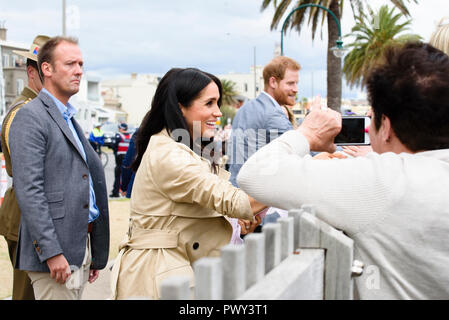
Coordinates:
<point>14,44</point>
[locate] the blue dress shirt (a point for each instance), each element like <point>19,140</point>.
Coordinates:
<point>68,112</point>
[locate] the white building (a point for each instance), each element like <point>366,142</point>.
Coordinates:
<point>251,84</point>
<point>90,105</point>
<point>133,94</point>
<point>13,74</point>
<point>247,84</point>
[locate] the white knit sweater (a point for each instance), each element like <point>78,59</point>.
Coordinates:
<point>394,207</point>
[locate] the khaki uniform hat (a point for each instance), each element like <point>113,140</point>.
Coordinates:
<point>38,42</point>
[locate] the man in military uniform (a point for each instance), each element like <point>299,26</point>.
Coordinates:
<point>9,210</point>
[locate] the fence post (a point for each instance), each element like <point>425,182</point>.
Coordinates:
<point>339,258</point>
<point>176,288</point>
<point>309,234</point>
<point>324,267</point>
<point>286,236</point>
<point>208,279</point>
<point>315,233</point>
<point>234,267</point>
<point>272,232</point>
<point>255,258</point>
<point>296,215</point>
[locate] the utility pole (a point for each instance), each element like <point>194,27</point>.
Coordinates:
<point>255,79</point>
<point>313,93</point>
<point>64,32</point>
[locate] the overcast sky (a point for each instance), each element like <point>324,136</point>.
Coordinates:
<point>151,36</point>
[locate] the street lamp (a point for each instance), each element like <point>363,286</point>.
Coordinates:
<point>339,51</point>
<point>64,12</point>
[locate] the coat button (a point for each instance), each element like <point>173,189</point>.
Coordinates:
<point>196,245</point>
<point>85,176</point>
<point>86,206</point>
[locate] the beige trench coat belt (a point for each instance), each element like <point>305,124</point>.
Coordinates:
<point>151,239</point>
<point>142,239</point>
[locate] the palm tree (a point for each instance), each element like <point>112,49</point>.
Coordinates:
<point>372,36</point>
<point>229,92</point>
<point>315,16</point>
<point>228,95</point>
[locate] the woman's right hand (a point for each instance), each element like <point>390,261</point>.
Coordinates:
<point>320,127</point>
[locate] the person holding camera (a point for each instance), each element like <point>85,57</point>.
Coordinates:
<point>392,202</point>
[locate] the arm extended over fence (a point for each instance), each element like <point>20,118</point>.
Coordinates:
<point>299,257</point>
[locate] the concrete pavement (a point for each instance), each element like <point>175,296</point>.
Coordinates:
<point>101,288</point>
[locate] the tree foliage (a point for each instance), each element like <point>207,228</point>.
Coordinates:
<point>315,17</point>
<point>373,34</point>
<point>229,92</point>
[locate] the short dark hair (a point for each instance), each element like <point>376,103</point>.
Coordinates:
<point>46,51</point>
<point>32,63</point>
<point>411,88</point>
<point>178,86</point>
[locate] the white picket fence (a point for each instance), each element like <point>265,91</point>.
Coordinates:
<point>299,257</point>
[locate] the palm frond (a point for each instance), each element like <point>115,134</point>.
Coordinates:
<point>279,13</point>
<point>228,92</point>
<point>372,36</point>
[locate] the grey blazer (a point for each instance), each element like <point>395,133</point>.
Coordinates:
<point>255,124</point>
<point>52,187</point>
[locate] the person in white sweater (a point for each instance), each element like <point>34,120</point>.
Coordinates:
<point>394,202</point>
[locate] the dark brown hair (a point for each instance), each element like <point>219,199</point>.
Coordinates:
<point>411,88</point>
<point>178,86</point>
<point>32,63</point>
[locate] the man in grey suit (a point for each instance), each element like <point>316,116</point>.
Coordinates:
<point>261,120</point>
<point>59,183</point>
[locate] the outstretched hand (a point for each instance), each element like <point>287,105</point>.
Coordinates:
<point>357,151</point>
<point>328,156</point>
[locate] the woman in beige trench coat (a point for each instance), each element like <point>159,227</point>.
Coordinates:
<point>180,199</point>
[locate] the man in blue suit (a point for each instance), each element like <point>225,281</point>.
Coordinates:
<point>262,120</point>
